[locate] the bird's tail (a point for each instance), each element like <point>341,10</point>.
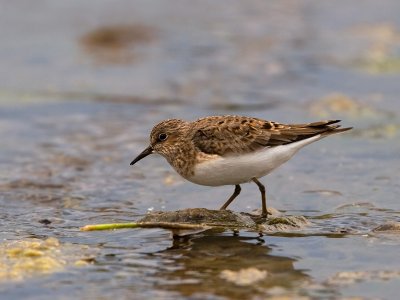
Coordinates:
<point>327,128</point>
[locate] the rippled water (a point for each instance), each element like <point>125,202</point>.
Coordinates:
<point>72,119</point>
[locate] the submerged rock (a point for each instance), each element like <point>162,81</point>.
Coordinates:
<point>244,277</point>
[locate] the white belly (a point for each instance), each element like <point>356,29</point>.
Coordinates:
<point>240,169</point>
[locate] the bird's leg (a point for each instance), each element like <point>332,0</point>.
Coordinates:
<point>231,198</point>
<point>263,198</point>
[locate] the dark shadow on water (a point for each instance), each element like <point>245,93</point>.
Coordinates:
<point>194,266</point>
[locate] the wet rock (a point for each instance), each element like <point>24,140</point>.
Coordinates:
<point>200,216</point>
<point>191,221</point>
<point>389,227</point>
<point>284,224</point>
<point>194,220</point>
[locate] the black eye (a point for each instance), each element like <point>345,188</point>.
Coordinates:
<point>162,137</point>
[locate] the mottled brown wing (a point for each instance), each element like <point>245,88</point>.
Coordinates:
<point>229,134</point>
<point>224,135</point>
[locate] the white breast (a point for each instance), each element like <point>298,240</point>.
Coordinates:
<point>240,169</point>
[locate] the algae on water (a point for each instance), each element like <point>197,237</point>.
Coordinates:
<point>27,258</point>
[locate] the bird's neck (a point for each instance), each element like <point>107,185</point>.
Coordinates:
<point>183,158</point>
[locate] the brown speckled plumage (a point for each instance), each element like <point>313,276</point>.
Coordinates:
<point>189,143</point>
<point>224,135</point>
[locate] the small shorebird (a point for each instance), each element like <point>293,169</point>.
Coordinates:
<point>231,150</point>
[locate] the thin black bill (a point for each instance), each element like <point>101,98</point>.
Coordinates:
<point>147,151</point>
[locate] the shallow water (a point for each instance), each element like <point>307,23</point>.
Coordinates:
<point>71,120</point>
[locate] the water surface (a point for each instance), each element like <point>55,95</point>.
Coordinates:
<point>72,119</point>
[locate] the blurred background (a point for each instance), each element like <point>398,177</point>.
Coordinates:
<point>83,82</point>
